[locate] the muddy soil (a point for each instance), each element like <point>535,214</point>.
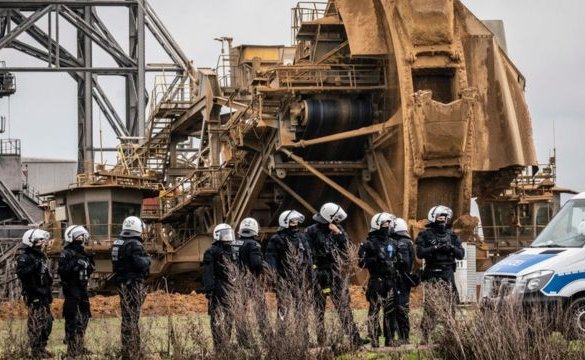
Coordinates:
<point>159,303</point>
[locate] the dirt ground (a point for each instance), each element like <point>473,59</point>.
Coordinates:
<point>160,303</point>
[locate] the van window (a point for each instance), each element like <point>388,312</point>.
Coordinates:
<point>562,230</point>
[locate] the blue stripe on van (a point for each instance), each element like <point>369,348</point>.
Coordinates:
<point>559,281</point>
<point>515,263</point>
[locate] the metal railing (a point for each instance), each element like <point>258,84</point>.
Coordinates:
<point>226,70</point>
<point>170,90</point>
<point>102,235</point>
<point>348,76</point>
<point>305,11</point>
<point>113,178</point>
<point>200,182</point>
<point>32,193</point>
<point>10,147</point>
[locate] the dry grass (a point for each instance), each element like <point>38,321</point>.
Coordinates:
<point>179,329</point>
<point>506,331</point>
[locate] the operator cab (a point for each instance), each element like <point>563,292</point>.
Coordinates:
<point>101,209</point>
<point>7,81</point>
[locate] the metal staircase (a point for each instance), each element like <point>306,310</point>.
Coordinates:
<point>250,186</point>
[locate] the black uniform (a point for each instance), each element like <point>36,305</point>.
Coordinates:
<point>329,251</point>
<point>405,280</point>
<point>286,242</point>
<point>75,268</point>
<point>439,247</point>
<point>131,265</point>
<point>216,284</point>
<point>289,255</point>
<point>33,271</point>
<point>252,263</point>
<point>378,254</point>
<point>250,255</point>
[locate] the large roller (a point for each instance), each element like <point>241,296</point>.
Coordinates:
<point>323,117</point>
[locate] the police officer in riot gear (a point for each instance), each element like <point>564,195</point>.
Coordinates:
<point>329,244</point>
<point>75,268</point>
<point>289,256</point>
<point>217,280</point>
<point>33,272</point>
<point>131,265</point>
<point>251,260</point>
<point>250,251</point>
<point>405,280</point>
<point>378,254</point>
<point>439,247</point>
<point>287,239</point>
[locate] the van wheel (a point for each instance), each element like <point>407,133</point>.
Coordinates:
<point>575,320</point>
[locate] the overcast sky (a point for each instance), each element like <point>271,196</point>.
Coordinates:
<point>545,41</point>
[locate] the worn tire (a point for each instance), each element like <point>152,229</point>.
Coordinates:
<point>575,319</point>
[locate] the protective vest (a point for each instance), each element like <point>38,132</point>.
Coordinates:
<point>82,271</point>
<point>236,246</point>
<point>378,255</point>
<point>325,246</point>
<point>122,264</point>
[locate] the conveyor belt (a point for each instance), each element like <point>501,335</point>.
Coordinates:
<point>325,117</point>
<point>330,116</point>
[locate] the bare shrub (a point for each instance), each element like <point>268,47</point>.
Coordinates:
<point>13,340</point>
<point>292,332</point>
<point>507,330</point>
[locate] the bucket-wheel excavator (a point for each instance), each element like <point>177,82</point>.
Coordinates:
<point>380,105</point>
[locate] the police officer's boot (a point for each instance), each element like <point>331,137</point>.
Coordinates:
<point>358,341</point>
<point>404,334</point>
<point>42,354</point>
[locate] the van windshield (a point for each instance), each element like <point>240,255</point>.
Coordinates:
<point>566,229</point>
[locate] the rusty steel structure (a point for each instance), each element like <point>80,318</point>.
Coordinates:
<point>46,21</point>
<point>379,105</point>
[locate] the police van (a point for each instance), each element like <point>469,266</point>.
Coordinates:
<point>551,270</point>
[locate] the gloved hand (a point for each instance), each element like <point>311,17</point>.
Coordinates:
<point>443,247</point>
<point>334,229</point>
<point>448,247</point>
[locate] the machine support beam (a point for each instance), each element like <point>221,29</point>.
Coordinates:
<point>20,28</point>
<point>84,25</point>
<point>28,17</point>
<point>32,4</point>
<point>135,82</point>
<point>84,102</point>
<point>94,70</point>
<point>168,41</point>
<point>291,192</point>
<point>354,199</point>
<point>367,130</point>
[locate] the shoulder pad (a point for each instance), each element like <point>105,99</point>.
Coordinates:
<point>239,242</point>
<point>135,242</point>
<point>118,242</point>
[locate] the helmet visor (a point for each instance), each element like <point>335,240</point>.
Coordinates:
<point>296,216</point>
<point>82,237</point>
<point>225,235</point>
<point>442,217</point>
